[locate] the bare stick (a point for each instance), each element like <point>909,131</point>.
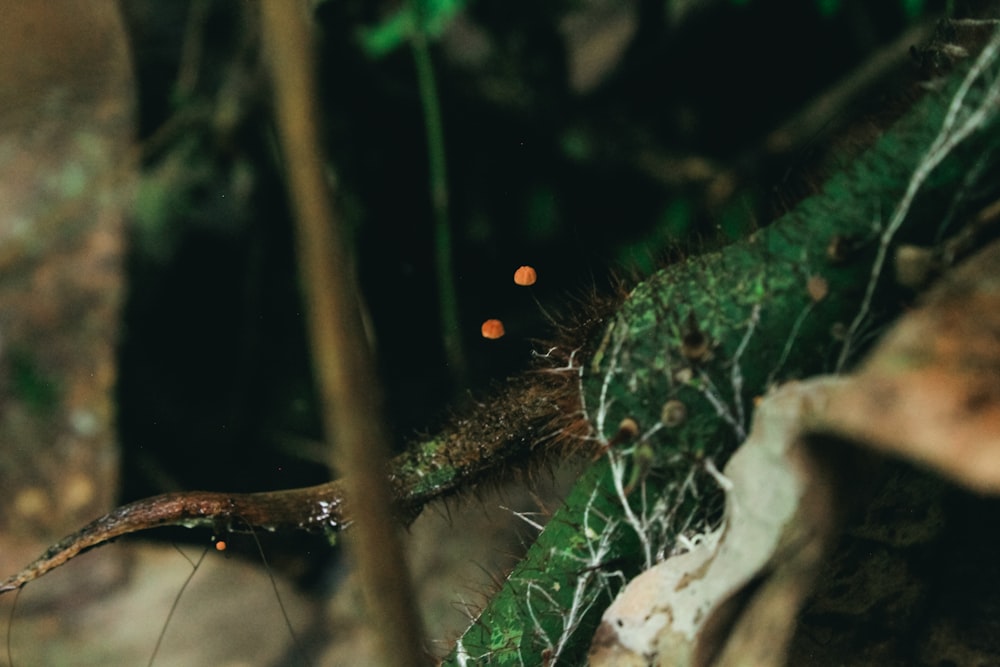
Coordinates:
<point>347,381</point>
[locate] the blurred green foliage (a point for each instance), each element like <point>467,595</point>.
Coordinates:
<point>430,17</point>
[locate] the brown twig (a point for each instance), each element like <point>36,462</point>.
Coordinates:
<point>276,510</point>
<point>344,368</point>
<point>504,435</point>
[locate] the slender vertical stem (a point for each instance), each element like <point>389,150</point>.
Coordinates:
<point>341,356</point>
<point>450,327</point>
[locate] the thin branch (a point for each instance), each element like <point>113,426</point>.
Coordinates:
<point>434,128</point>
<point>347,381</point>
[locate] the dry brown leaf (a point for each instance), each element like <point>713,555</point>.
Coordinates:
<point>930,391</point>
<point>733,598</point>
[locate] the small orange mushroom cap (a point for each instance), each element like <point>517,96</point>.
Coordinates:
<point>492,329</point>
<point>220,545</point>
<point>525,275</point>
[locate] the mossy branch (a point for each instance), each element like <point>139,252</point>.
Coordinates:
<point>672,384</point>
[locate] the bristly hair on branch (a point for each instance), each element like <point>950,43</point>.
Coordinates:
<point>532,420</point>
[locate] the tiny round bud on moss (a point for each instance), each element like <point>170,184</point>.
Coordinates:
<point>840,249</point>
<point>817,288</point>
<point>673,413</point>
<point>628,429</point>
<point>695,345</point>
<point>914,266</point>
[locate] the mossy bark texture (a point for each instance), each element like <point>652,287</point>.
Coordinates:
<point>710,334</point>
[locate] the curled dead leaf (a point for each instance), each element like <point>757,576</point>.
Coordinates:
<point>732,599</point>
<point>930,391</point>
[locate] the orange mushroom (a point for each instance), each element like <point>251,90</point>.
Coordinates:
<point>220,546</point>
<point>492,329</point>
<point>525,275</point>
